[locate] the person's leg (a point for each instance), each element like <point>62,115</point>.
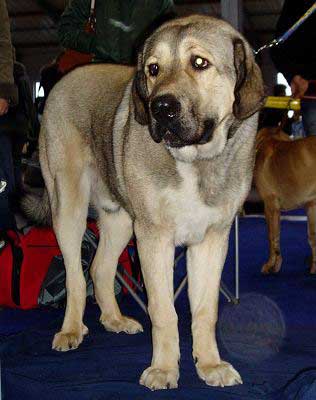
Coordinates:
<point>7,183</point>
<point>7,220</point>
<point>6,160</point>
<point>17,149</point>
<point>308,111</point>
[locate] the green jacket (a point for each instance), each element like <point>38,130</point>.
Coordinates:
<point>120,26</point>
<point>8,90</point>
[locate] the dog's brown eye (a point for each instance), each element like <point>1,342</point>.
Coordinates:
<point>199,62</point>
<point>153,69</point>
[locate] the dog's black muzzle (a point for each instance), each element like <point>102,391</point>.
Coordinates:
<point>170,126</point>
<point>166,110</point>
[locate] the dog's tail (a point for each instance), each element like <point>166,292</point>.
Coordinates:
<point>37,209</point>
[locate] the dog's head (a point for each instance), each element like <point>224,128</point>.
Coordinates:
<point>196,77</point>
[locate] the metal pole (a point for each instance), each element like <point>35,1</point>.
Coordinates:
<point>237,257</point>
<point>133,280</point>
<point>223,289</point>
<point>232,12</point>
<point>226,292</point>
<point>132,293</point>
<point>180,287</point>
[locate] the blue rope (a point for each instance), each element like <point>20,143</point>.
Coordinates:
<point>289,32</point>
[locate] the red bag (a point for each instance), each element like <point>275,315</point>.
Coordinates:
<point>24,262</point>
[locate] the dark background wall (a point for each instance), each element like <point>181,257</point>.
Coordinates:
<point>34,27</point>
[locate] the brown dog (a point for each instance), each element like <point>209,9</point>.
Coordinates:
<point>285,177</point>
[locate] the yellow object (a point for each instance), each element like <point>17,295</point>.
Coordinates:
<point>284,102</point>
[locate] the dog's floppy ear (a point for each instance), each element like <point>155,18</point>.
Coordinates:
<point>139,94</point>
<point>249,90</point>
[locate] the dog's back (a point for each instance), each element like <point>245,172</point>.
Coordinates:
<point>78,118</point>
<point>285,168</point>
<point>87,98</point>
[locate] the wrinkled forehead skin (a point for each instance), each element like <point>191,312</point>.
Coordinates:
<point>214,101</point>
<point>212,35</point>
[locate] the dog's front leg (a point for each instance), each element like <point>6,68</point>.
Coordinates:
<point>204,264</point>
<point>156,252</point>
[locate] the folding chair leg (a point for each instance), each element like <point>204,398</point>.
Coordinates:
<point>223,288</point>
<point>180,287</point>
<point>132,293</point>
<point>236,258</point>
<point>139,287</point>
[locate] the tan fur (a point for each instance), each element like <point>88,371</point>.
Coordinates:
<point>285,177</point>
<point>96,146</point>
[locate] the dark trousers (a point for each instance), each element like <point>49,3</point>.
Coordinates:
<point>7,220</point>
<point>308,110</point>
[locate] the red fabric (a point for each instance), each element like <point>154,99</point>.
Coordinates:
<point>39,246</point>
<point>71,59</point>
<point>6,263</point>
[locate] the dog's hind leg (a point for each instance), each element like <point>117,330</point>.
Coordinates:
<point>115,231</point>
<point>272,213</point>
<point>311,219</point>
<point>70,202</point>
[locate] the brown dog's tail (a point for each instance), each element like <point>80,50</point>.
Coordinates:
<point>37,209</point>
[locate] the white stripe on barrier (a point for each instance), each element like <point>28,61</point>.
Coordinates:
<point>293,218</point>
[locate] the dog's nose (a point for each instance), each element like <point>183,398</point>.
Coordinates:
<point>165,108</point>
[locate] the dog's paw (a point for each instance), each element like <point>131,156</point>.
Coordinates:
<point>157,378</point>
<point>222,375</point>
<point>272,268</point>
<point>64,341</point>
<point>122,324</point>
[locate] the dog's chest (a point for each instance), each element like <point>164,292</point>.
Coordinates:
<point>185,210</point>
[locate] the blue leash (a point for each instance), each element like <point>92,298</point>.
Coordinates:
<point>289,32</point>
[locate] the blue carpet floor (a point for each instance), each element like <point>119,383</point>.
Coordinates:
<point>269,338</point>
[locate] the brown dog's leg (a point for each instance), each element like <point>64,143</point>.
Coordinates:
<point>69,212</point>
<point>272,213</point>
<point>205,261</point>
<point>115,231</point>
<point>156,253</point>
<point>311,224</point>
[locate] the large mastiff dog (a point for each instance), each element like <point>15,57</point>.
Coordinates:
<point>166,151</point>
